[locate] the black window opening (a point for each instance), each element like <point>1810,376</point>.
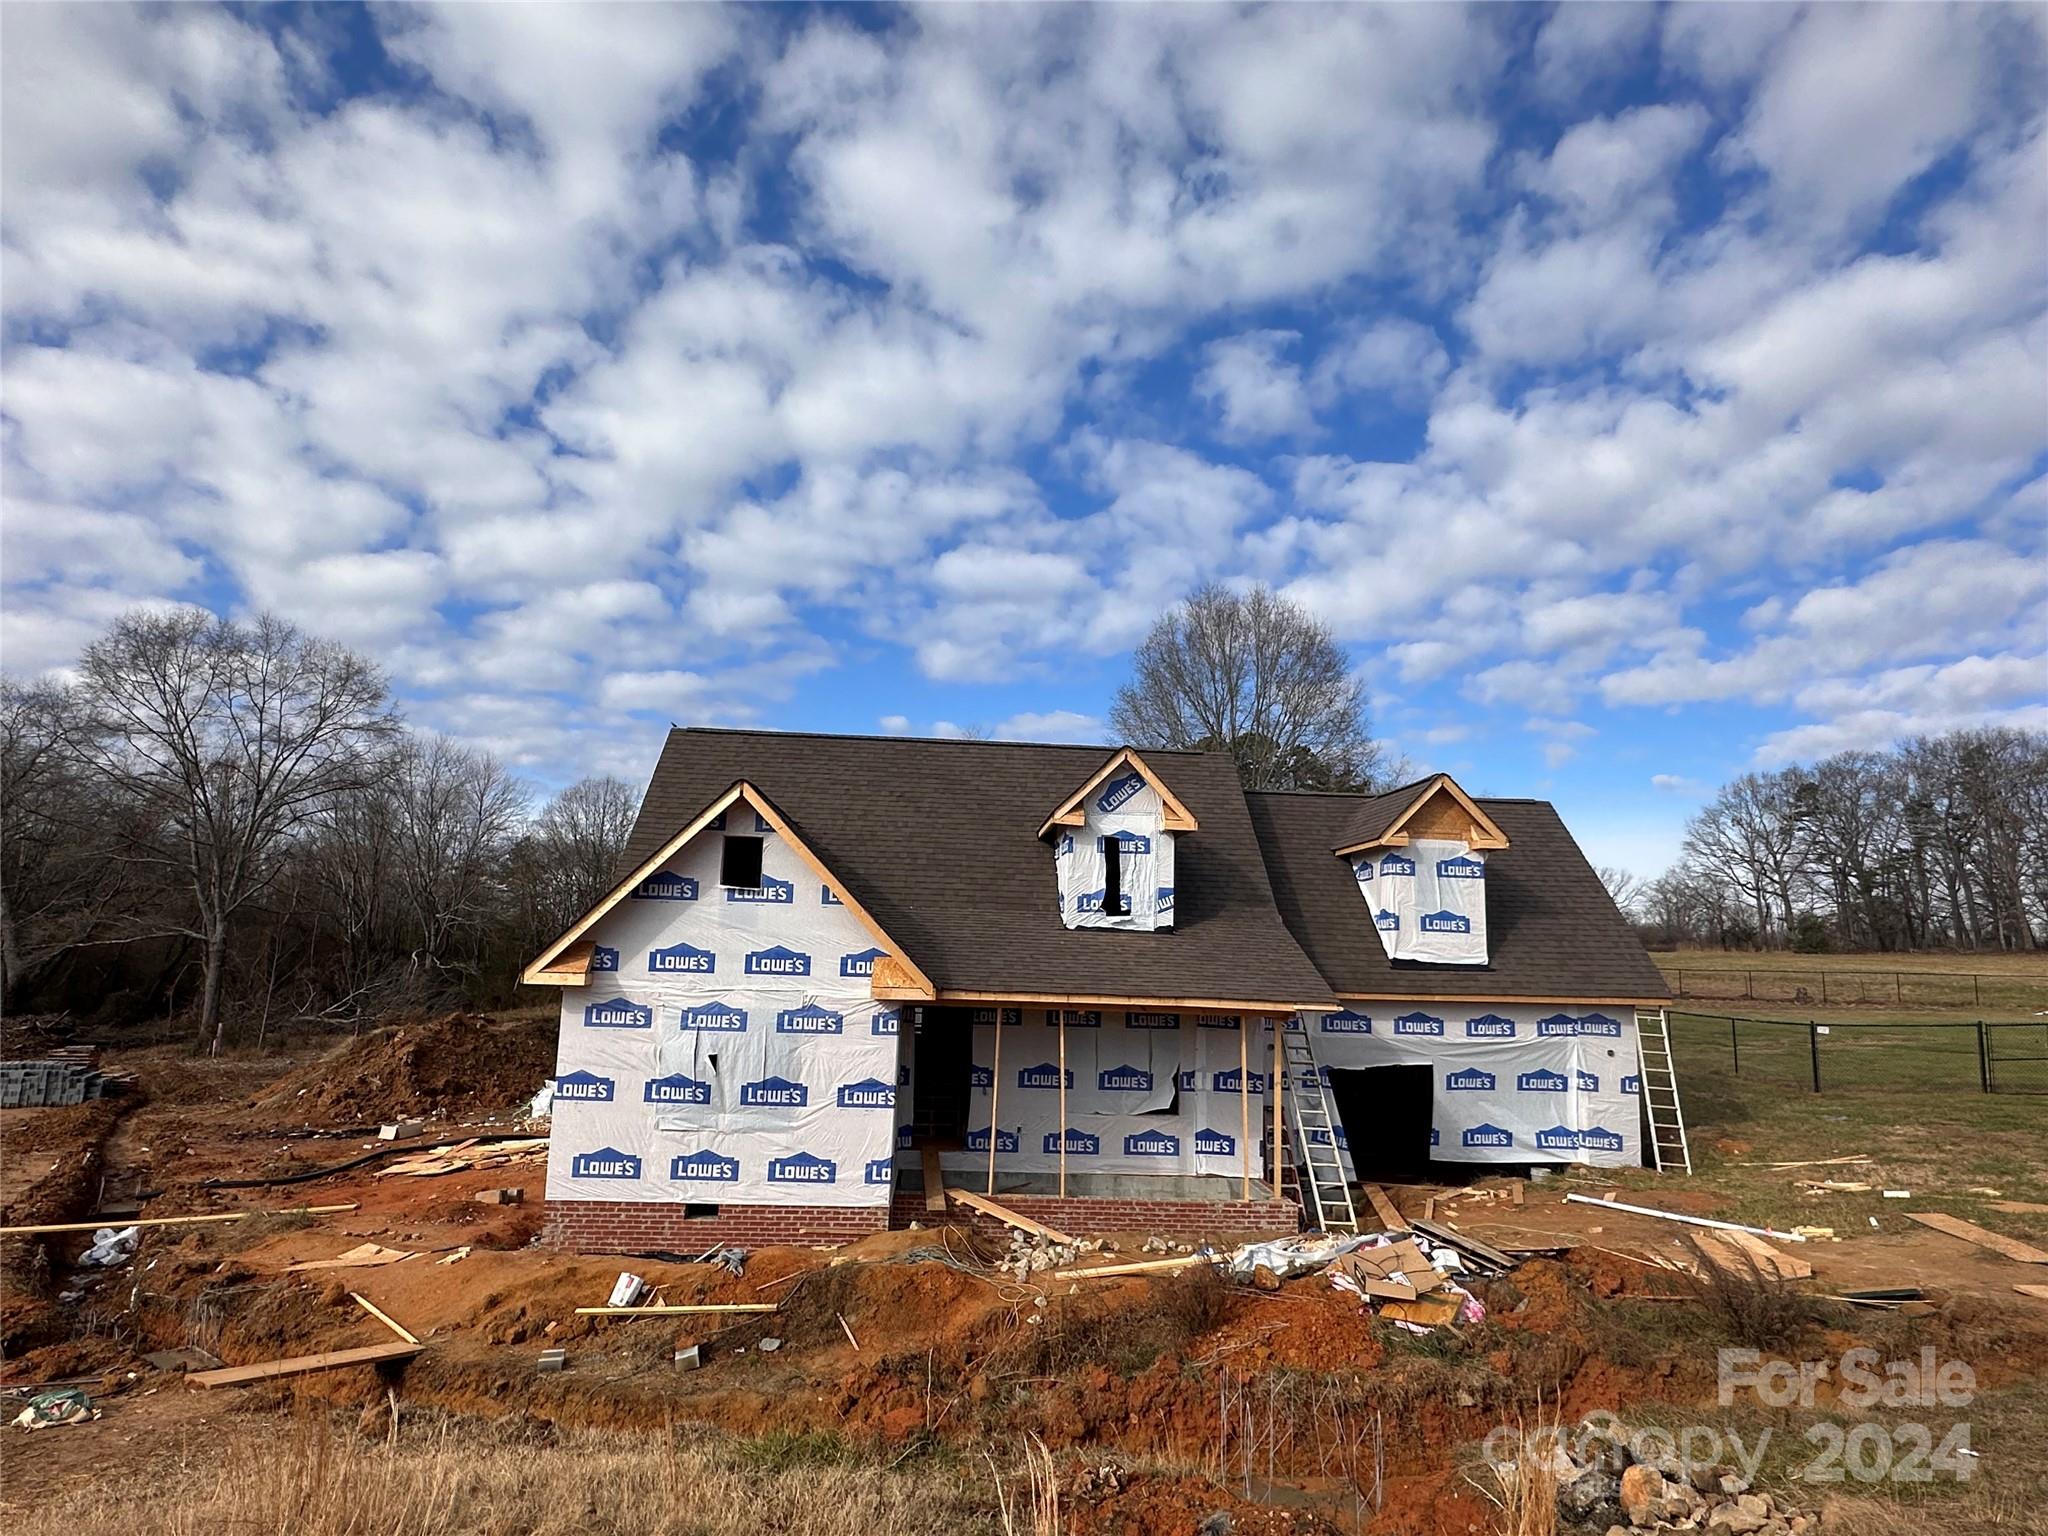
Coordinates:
<point>740,863</point>
<point>1114,902</point>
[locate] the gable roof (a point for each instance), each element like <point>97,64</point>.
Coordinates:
<point>1380,819</point>
<point>1552,931</point>
<point>1175,817</point>
<point>939,840</point>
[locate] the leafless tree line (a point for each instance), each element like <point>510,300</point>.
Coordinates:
<point>231,819</point>
<point>1939,842</point>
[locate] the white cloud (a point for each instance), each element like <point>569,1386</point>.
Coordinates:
<point>895,725</point>
<point>1051,725</point>
<point>1256,392</point>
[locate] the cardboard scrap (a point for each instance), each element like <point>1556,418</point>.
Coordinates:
<point>363,1256</point>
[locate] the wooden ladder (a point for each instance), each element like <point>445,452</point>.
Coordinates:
<point>1668,1146</point>
<point>1325,1196</point>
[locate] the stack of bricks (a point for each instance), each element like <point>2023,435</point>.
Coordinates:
<point>68,1075</point>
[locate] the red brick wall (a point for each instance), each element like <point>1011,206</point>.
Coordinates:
<point>1081,1217</point>
<point>631,1226</point>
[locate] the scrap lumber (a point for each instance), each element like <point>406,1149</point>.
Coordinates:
<point>934,1180</point>
<point>384,1317</point>
<point>2020,1207</point>
<point>1007,1216</point>
<point>1144,1267</point>
<point>673,1309</point>
<point>171,1221</point>
<point>1738,1252</point>
<point>362,1256</point>
<point>1389,1215</point>
<point>301,1365</point>
<point>1483,1256</point>
<point>1691,1221</point>
<point>1970,1232</point>
<point>2038,1292</point>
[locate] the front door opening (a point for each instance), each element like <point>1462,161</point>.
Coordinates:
<point>941,1069</point>
<point>1385,1112</point>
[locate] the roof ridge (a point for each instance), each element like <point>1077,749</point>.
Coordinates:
<point>936,741</point>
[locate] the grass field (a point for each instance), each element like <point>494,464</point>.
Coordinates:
<point>1984,984</point>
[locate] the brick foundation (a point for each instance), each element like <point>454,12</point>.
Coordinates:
<point>634,1226</point>
<point>1086,1217</point>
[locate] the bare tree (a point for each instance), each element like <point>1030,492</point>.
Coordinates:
<point>456,813</point>
<point>1259,677</point>
<point>230,737</point>
<point>1627,889</point>
<point>570,858</point>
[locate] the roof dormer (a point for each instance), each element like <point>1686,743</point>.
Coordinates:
<point>1419,857</point>
<point>1112,844</point>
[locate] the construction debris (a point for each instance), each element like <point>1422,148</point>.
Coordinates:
<point>678,1309</point>
<point>552,1360</point>
<point>1740,1252</point>
<point>2009,1247</point>
<point>47,1410</point>
<point>300,1365</point>
<point>378,1313</point>
<point>110,1247</point>
<point>1008,1217</point>
<point>499,1196</point>
<point>626,1290</point>
<point>1798,1235</point>
<point>400,1130</point>
<point>362,1256</point>
<point>1481,1257</point>
<point>173,1221</point>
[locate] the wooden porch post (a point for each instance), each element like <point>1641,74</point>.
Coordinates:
<point>1279,1096</point>
<point>1063,1103</point>
<point>1244,1097</point>
<point>995,1098</point>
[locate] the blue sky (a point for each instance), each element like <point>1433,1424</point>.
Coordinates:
<point>1644,394</point>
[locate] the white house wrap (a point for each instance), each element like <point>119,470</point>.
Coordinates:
<point>726,1050</point>
<point>1427,899</point>
<point>1128,809</point>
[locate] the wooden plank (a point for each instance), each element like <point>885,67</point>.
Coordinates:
<point>1007,1216</point>
<point>1465,1243</point>
<point>2038,1292</point>
<point>1146,1267</point>
<point>2019,1207</point>
<point>1383,1208</point>
<point>171,1221</point>
<point>362,1256</point>
<point>1736,1252</point>
<point>385,1318</point>
<point>1970,1232</point>
<point>934,1180</point>
<point>301,1365</point>
<point>678,1310</point>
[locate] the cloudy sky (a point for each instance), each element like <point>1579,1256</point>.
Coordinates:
<point>1643,394</point>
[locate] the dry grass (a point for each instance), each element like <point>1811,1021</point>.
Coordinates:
<point>452,1480</point>
<point>1523,1492</point>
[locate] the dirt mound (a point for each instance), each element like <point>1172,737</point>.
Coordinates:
<point>455,1067</point>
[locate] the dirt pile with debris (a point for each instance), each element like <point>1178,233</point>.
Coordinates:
<point>458,1066</point>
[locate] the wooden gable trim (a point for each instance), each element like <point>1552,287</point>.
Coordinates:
<point>1523,998</point>
<point>1177,817</point>
<point>557,965</point>
<point>1484,832</point>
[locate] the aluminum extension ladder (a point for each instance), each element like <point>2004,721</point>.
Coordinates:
<point>1668,1146</point>
<point>1325,1196</point>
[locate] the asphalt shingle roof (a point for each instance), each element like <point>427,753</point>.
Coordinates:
<point>1552,930</point>
<point>937,839</point>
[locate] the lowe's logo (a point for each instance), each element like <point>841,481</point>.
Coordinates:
<point>979,1076</point>
<point>977,1141</point>
<point>1346,1022</point>
<point>1130,842</point>
<point>860,964</point>
<point>811,1019</point>
<point>1446,922</point>
<point>879,1170</point>
<point>676,1088</point>
<point>1228,1081</point>
<point>1489,1136</point>
<point>802,1168</point>
<point>1462,867</point>
<point>1361,871</point>
<point>1557,1139</point>
<point>1088,901</point>
<point>770,892</point>
<point>868,1093</point>
<point>828,897</point>
<point>1064,846</point>
<point>1489,1026</point>
<point>1215,1144</point>
<point>1435,1136</point>
<point>1631,1083</point>
<point>686,958</point>
<point>1387,921</point>
<point>887,1021</point>
<point>1397,864</point>
<point>1597,1138</point>
<point>1078,1143</point>
<point>1152,1021</point>
<point>666,886</point>
<point>1151,1144</point>
<point>1162,901</point>
<point>1074,1018</point>
<point>1470,1080</point>
<point>778,960</point>
<point>1220,1021</point>
<point>705,1167</point>
<point>1124,1079</point>
<point>1544,1081</point>
<point>585,1087</point>
<point>1119,790</point>
<point>604,1163</point>
<point>1557,1024</point>
<point>1044,1075</point>
<point>1418,1023</point>
<point>1601,1025</point>
<point>774,1093</point>
<point>618,1013</point>
<point>604,959</point>
<point>713,1019</point>
<point>997,1016</point>
<point>1589,1082</point>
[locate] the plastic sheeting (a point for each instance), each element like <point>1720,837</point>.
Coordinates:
<point>1427,899</point>
<point>1528,1084</point>
<point>727,1050</point>
<point>1126,808</point>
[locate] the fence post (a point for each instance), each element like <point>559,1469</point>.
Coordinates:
<point>1823,984</point>
<point>1813,1044</point>
<point>1898,990</point>
<point>1983,1057</point>
<point>1976,990</point>
<point>1749,985</point>
<point>1734,1045</point>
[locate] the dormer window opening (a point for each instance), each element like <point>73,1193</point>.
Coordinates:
<point>1114,902</point>
<point>739,863</point>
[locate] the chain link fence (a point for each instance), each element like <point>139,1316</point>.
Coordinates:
<point>1983,1056</point>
